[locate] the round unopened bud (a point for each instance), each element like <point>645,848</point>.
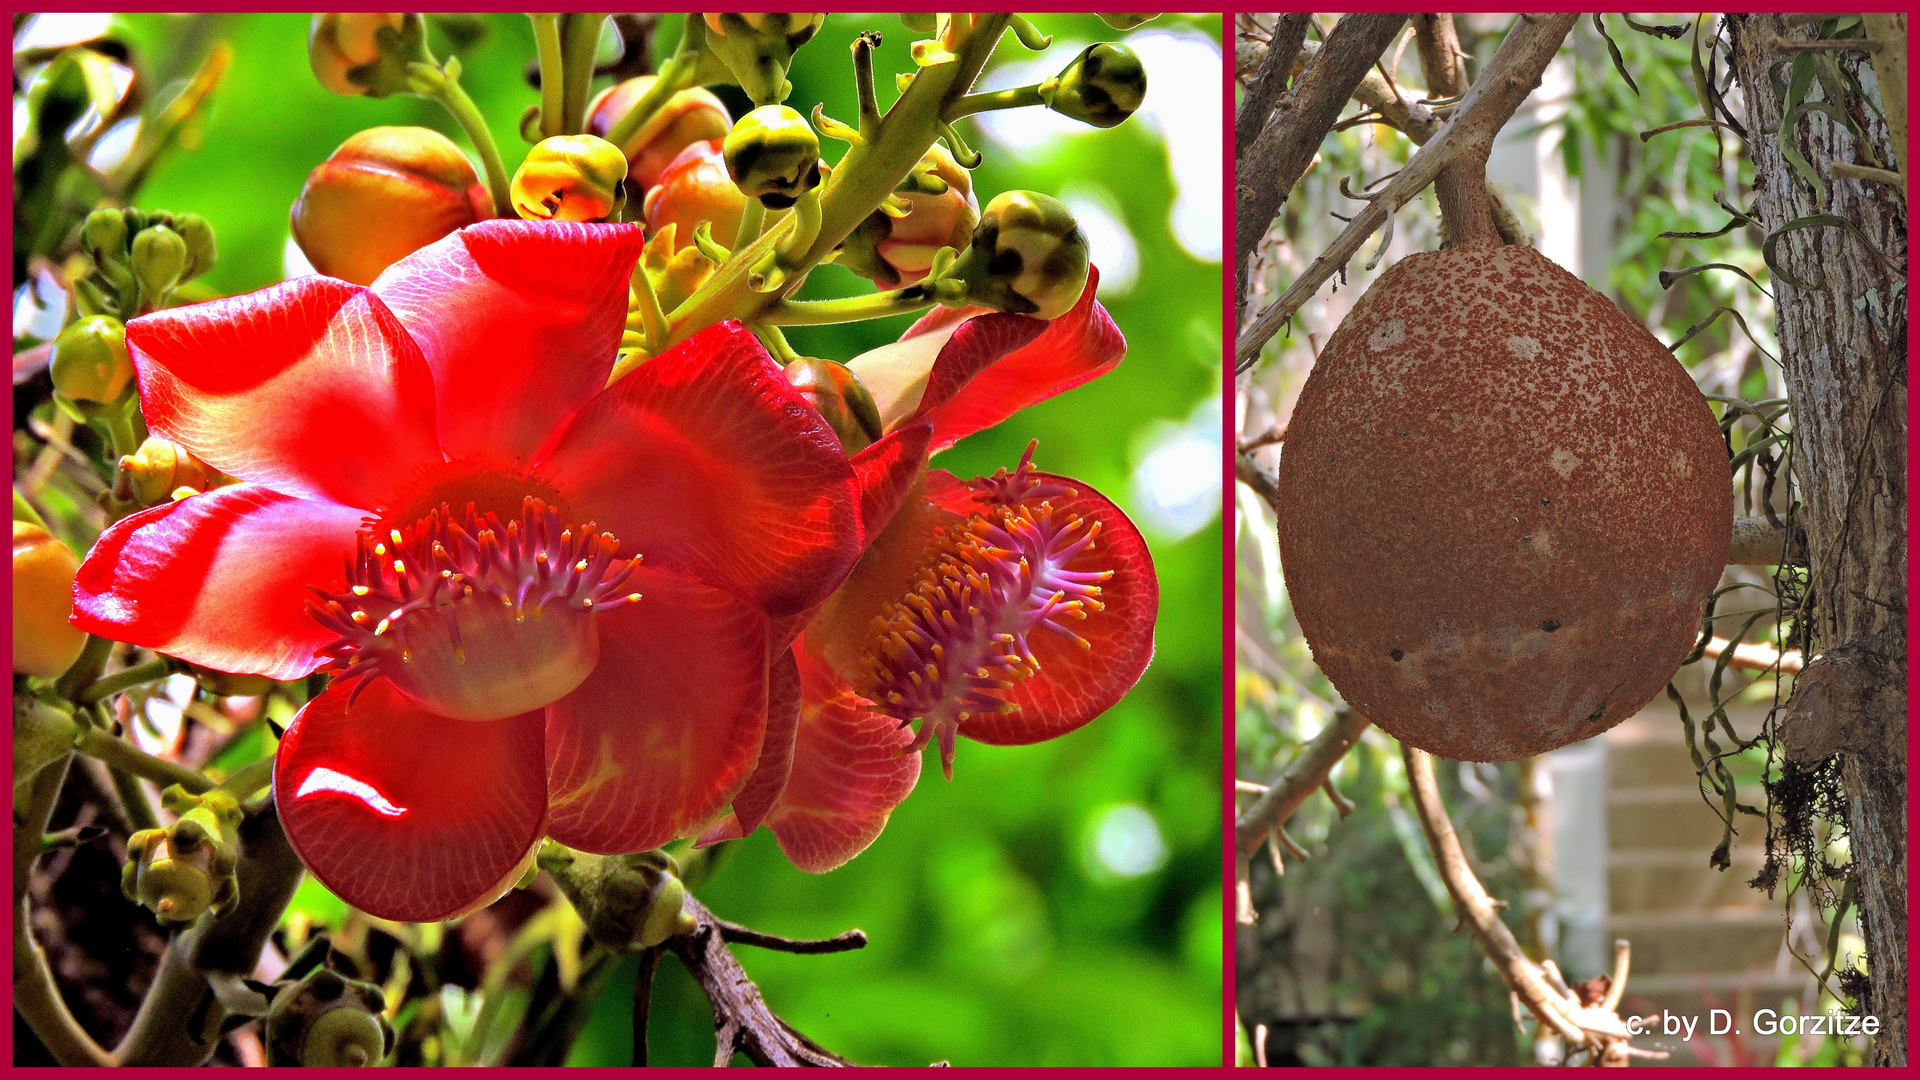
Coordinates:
<point>689,116</point>
<point>695,188</point>
<point>159,262</point>
<point>326,1019</point>
<point>842,400</point>
<point>104,234</point>
<point>1103,86</point>
<point>920,22</point>
<point>384,194</point>
<point>90,361</point>
<point>152,474</point>
<point>170,873</point>
<point>45,644</point>
<point>773,155</point>
<point>571,178</point>
<point>1127,20</point>
<point>758,48</point>
<point>201,252</point>
<point>338,42</point>
<point>941,212</point>
<point>1028,257</point>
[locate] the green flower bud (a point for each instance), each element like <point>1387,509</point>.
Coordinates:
<point>758,48</point>
<point>159,470</point>
<point>200,249</point>
<point>773,155</point>
<point>45,643</point>
<point>1102,87</point>
<point>841,399</point>
<point>104,234</point>
<point>920,22</point>
<point>571,178</point>
<point>159,262</point>
<point>327,1019</point>
<point>185,869</point>
<point>1127,20</point>
<point>629,902</point>
<point>1028,256</point>
<point>90,361</point>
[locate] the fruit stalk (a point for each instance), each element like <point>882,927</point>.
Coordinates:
<point>1512,74</point>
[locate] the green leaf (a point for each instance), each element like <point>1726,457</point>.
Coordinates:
<point>1768,249</point>
<point>1668,277</point>
<point>1619,64</point>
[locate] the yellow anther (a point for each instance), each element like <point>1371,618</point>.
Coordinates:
<point>361,590</point>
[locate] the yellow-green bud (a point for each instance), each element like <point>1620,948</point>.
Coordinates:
<point>841,399</point>
<point>1028,256</point>
<point>571,178</point>
<point>920,22</point>
<point>159,262</point>
<point>773,155</point>
<point>629,902</point>
<point>1102,87</point>
<point>158,470</point>
<point>338,42</point>
<point>187,868</point>
<point>90,361</point>
<point>201,252</point>
<point>1127,20</point>
<point>758,48</point>
<point>45,644</point>
<point>105,234</point>
<point>326,1019</point>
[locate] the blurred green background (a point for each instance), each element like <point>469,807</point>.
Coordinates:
<point>1054,904</point>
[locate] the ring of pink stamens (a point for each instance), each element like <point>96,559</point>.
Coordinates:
<point>411,585</point>
<point>959,641</point>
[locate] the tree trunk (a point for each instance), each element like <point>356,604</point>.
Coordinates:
<point>1844,347</point>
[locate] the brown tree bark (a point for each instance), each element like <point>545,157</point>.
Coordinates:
<point>1844,347</point>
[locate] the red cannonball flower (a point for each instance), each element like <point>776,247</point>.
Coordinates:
<point>547,602</point>
<point>1008,609</point>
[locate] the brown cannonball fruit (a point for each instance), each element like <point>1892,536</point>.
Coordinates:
<point>1503,505</point>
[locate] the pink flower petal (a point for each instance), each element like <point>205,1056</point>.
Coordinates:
<point>708,463</point>
<point>1075,683</point>
<point>885,472</point>
<point>769,777</point>
<point>310,388</point>
<point>407,815</point>
<point>849,773</point>
<point>519,321</point>
<point>219,579</point>
<point>1081,345</point>
<point>666,730</point>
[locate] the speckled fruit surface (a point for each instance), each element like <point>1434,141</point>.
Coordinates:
<point>1503,504</point>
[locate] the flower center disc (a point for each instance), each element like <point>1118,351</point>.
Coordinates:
<point>474,618</point>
